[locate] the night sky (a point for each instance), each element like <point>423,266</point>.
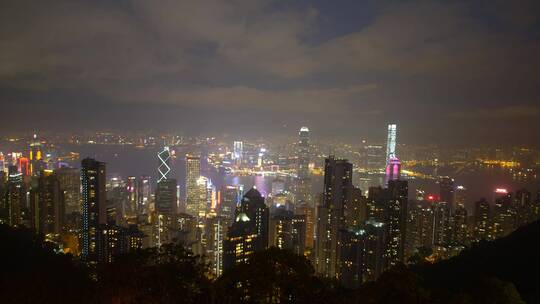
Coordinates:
<point>457,72</point>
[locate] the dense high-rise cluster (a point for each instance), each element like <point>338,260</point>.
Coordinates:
<point>353,218</point>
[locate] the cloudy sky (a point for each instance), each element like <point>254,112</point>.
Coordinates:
<point>445,71</point>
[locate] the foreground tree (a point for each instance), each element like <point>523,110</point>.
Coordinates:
<point>169,274</point>
<point>274,276</point>
<point>32,272</point>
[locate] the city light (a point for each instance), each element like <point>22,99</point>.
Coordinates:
<point>269,152</point>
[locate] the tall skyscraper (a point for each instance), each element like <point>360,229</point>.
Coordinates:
<point>420,227</point>
<point>15,196</point>
<point>307,211</point>
<point>375,246</point>
<point>351,252</point>
<point>303,153</point>
<point>238,152</point>
<point>442,229</point>
<point>446,191</point>
<point>303,182</point>
<point>94,206</point>
<point>207,197</point>
<point>330,215</point>
<point>36,155</point>
<point>391,142</point>
<point>249,232</point>
<point>460,196</point>
<point>164,166</point>
<point>482,221</point>
<point>215,232</point>
<point>504,215</point>
<point>523,205</point>
<point>131,189</point>
<point>49,208</point>
<point>396,221</point>
<point>166,197</point>
<point>166,208</point>
<point>70,184</point>
<point>193,172</point>
<point>460,230</point>
<point>144,190</point>
<point>230,197</point>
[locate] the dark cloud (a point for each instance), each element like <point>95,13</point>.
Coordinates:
<point>342,69</point>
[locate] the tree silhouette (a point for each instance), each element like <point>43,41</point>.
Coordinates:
<point>273,276</point>
<point>169,274</point>
<point>32,272</point>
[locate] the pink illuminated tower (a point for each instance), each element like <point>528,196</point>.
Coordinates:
<point>393,169</point>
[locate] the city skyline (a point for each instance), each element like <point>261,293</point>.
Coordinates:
<point>269,151</point>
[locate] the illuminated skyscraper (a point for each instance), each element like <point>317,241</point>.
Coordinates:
<point>164,167</point>
<point>48,209</point>
<point>207,196</point>
<point>249,232</point>
<point>36,155</point>
<point>303,182</point>
<point>15,196</point>
<point>94,206</point>
<point>131,189</point>
<point>287,231</point>
<point>166,208</point>
<point>70,184</point>
<point>375,245</point>
<point>391,142</point>
<point>193,172</point>
<point>523,205</point>
<point>355,208</point>
<point>144,191</point>
<point>460,230</point>
<point>2,162</point>
<point>351,251</point>
<point>442,229</point>
<point>24,166</point>
<point>303,153</point>
<point>308,212</point>
<point>330,214</point>
<point>504,215</point>
<point>460,197</point>
<point>420,226</point>
<point>396,221</point>
<point>166,197</point>
<point>446,191</point>
<point>238,151</point>
<point>393,169</point>
<point>230,198</point>
<point>216,230</point>
<point>482,221</point>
